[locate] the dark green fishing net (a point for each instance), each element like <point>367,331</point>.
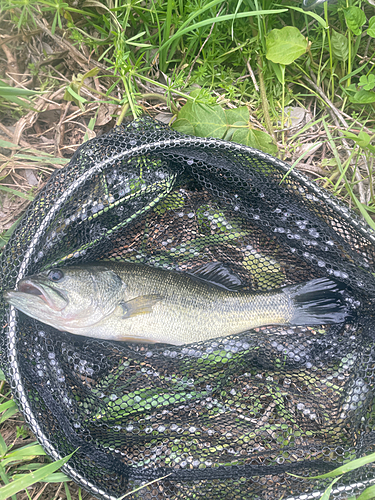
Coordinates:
<point>228,418</point>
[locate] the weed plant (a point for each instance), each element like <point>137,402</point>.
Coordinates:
<point>261,56</point>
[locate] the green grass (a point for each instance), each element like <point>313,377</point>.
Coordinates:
<point>20,466</point>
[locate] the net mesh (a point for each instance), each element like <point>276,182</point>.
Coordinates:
<point>226,418</point>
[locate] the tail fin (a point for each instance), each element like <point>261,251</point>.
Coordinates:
<point>320,301</point>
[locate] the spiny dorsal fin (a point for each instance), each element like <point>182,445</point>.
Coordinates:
<point>216,273</point>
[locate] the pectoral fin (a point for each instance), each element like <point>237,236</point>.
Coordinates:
<point>139,305</point>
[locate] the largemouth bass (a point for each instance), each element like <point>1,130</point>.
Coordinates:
<point>136,302</point>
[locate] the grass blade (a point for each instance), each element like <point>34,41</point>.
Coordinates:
<point>4,238</point>
<point>9,413</point>
<point>327,492</point>
<point>358,204</point>
<point>368,494</point>
<point>8,145</point>
<point>29,479</point>
<point>350,466</point>
<point>320,20</point>
<point>44,159</point>
<point>17,193</point>
<point>3,446</point>
<point>13,94</point>
<point>56,477</point>
<point>144,486</point>
<point>8,404</point>
<point>28,452</point>
<point>211,20</point>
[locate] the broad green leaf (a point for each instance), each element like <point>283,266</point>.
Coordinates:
<point>371,27</point>
<point>2,376</point>
<point>367,82</point>
<point>234,127</point>
<point>236,118</point>
<point>355,18</point>
<point>286,45</point>
<point>240,114</point>
<point>29,479</point>
<point>255,139</point>
<point>363,97</point>
<point>232,124</point>
<point>340,47</point>
<point>195,93</point>
<point>362,139</point>
<point>207,121</point>
<point>210,121</point>
<point>184,126</point>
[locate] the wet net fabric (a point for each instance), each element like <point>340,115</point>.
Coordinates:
<point>229,418</point>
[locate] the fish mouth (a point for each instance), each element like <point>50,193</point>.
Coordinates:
<point>30,288</point>
<point>53,298</point>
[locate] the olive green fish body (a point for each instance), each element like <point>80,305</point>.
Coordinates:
<point>186,310</point>
<point>135,302</point>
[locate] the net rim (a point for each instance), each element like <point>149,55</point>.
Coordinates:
<point>163,145</point>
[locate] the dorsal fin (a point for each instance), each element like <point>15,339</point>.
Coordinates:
<point>217,274</point>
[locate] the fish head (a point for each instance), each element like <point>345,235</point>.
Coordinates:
<point>67,298</point>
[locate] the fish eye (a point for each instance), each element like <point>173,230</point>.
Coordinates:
<point>55,275</point>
